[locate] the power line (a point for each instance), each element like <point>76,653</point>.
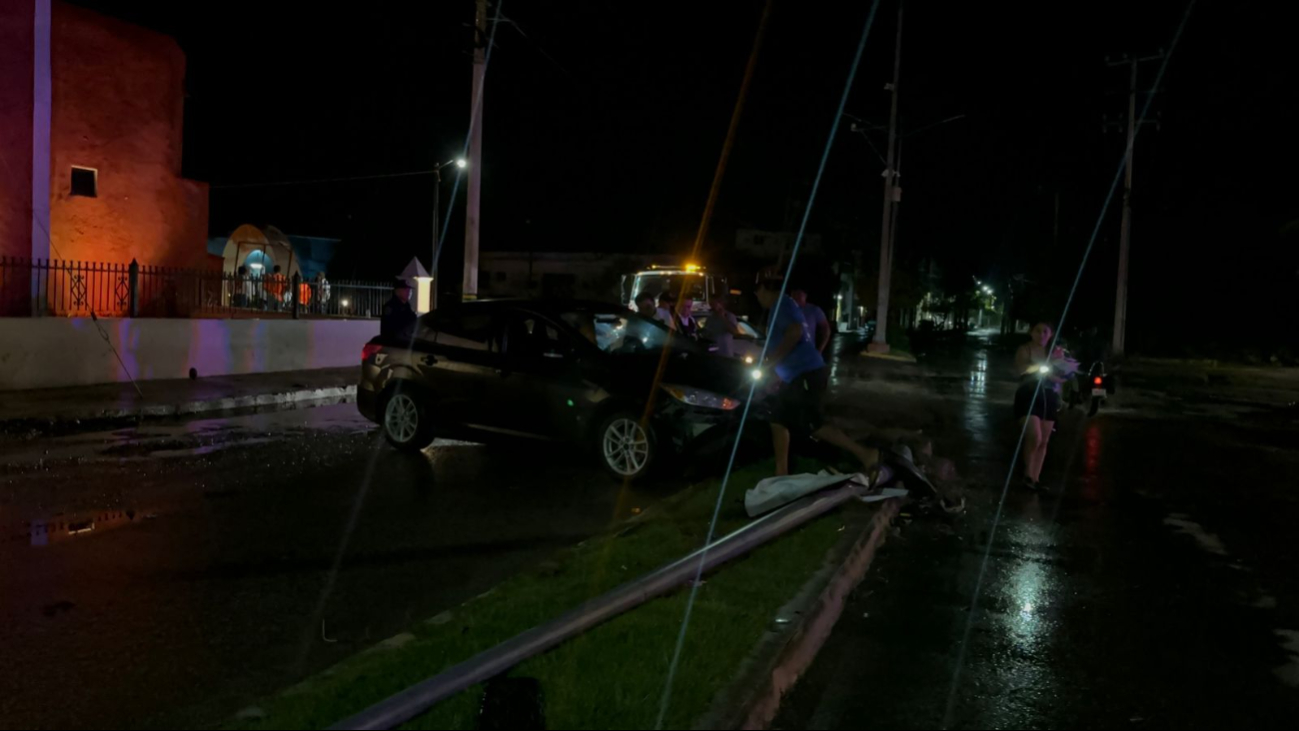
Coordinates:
<point>316,181</point>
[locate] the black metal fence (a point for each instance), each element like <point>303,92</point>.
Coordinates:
<point>38,288</point>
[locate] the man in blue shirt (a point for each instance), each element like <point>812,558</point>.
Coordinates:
<point>817,324</point>
<point>798,407</point>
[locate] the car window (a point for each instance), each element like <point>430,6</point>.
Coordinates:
<point>530,336</point>
<point>630,333</point>
<point>467,330</point>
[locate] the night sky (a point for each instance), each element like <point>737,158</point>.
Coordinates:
<point>604,122</point>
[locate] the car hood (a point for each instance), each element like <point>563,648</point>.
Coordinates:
<point>633,374</point>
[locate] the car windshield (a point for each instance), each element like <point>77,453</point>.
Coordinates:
<point>656,284</point>
<point>621,332</point>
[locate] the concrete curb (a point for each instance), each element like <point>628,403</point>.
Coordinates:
<point>803,626</point>
<point>91,413</point>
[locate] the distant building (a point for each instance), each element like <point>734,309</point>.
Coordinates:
<point>582,275</point>
<point>90,130</point>
<point>773,244</point>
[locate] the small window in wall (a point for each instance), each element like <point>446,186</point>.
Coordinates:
<point>85,182</point>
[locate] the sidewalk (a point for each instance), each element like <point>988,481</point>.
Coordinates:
<point>1260,385</point>
<point>113,401</point>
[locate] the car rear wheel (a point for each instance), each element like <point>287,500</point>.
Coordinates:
<point>626,447</point>
<point>406,422</point>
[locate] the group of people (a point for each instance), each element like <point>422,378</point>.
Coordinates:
<point>798,333</point>
<point>722,327</point>
<point>274,291</point>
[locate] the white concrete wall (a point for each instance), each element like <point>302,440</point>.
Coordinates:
<point>52,352</point>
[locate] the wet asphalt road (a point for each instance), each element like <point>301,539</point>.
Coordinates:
<point>1155,586</point>
<point>198,575</point>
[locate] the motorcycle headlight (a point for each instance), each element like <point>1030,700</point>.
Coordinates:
<point>700,397</point>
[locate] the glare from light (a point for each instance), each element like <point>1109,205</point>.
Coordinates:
<point>692,267</point>
<point>1044,369</point>
<point>757,374</point>
<point>346,302</point>
<point>748,359</point>
<point>255,265</point>
<point>460,163</point>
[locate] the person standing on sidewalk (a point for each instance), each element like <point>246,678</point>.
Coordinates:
<point>804,378</point>
<point>276,286</point>
<point>817,324</point>
<point>398,319</point>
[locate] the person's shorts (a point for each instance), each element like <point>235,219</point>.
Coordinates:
<point>1046,407</point>
<point>799,404</point>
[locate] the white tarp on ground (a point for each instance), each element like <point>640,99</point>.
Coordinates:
<point>775,492</point>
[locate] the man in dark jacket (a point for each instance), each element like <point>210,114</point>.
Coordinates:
<point>398,319</point>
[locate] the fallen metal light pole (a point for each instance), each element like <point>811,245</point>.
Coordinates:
<point>417,699</point>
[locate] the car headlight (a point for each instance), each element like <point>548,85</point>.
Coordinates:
<point>700,397</point>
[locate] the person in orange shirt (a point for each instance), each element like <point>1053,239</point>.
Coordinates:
<point>276,285</point>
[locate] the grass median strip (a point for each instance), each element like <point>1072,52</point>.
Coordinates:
<point>612,676</point>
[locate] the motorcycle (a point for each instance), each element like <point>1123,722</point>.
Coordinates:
<point>1092,386</point>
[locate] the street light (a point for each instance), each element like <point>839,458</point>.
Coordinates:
<point>460,164</point>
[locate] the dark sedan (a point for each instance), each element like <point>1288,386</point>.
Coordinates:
<point>579,372</point>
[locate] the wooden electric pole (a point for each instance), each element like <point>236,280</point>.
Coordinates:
<point>469,290</point>
<point>880,344</point>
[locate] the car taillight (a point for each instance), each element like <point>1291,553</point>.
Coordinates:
<point>1098,380</point>
<point>369,351</point>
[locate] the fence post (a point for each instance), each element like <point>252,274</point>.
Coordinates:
<point>297,283</point>
<point>133,285</point>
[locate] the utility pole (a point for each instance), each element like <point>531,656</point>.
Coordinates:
<point>880,343</point>
<point>1125,233</point>
<point>470,288</point>
<point>437,232</point>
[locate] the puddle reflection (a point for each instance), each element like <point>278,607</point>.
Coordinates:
<point>63,527</point>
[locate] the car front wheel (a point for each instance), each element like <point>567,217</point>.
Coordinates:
<point>406,422</point>
<point>626,446</point>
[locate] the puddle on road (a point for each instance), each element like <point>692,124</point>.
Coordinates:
<point>63,527</point>
<point>193,437</point>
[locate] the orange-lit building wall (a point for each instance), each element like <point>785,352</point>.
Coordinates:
<point>118,93</point>
<point>16,127</point>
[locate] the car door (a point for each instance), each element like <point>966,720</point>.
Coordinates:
<point>540,384</point>
<point>460,360</point>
